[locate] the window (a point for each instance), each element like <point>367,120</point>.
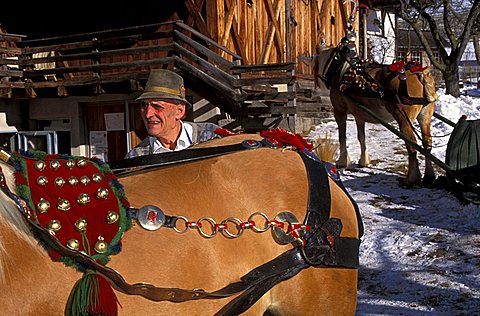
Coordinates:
<point>401,56</point>
<point>417,56</point>
<point>436,56</point>
<point>45,141</point>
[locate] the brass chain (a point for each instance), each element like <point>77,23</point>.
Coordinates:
<point>207,227</point>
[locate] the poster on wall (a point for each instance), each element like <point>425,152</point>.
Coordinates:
<point>114,121</point>
<point>99,145</point>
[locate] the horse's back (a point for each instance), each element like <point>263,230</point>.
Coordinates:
<point>234,187</point>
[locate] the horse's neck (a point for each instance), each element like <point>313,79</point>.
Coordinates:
<point>9,211</point>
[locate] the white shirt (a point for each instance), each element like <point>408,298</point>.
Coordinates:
<point>184,141</point>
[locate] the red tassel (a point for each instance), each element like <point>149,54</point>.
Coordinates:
<point>223,132</point>
<point>289,138</point>
<point>107,301</point>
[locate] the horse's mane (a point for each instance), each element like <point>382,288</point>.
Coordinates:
<point>11,217</point>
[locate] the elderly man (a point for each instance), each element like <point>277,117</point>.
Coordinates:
<point>163,106</point>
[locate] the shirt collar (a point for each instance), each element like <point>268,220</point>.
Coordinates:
<point>184,141</point>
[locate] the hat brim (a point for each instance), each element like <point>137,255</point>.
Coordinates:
<point>162,96</point>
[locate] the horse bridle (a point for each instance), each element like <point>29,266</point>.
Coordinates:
<point>323,246</point>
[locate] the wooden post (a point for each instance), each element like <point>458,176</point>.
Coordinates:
<point>287,31</point>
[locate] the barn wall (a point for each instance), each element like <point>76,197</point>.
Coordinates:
<point>261,35</point>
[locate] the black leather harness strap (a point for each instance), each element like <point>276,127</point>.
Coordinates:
<point>170,158</point>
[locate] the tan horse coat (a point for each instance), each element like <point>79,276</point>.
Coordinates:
<point>236,185</point>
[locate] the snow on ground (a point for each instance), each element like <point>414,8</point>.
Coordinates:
<point>420,253</point>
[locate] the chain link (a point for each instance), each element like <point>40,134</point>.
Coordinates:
<point>233,227</point>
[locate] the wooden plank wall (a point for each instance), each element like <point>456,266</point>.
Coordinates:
<point>258,32</point>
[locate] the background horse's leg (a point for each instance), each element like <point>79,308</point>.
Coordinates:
<point>341,119</point>
<point>405,115</point>
<point>364,156</point>
<point>425,120</point>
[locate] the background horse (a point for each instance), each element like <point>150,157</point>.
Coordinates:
<point>390,91</point>
<point>225,187</point>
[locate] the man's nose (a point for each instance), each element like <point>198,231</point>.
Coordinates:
<point>149,110</point>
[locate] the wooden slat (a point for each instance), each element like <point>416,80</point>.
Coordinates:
<point>261,81</point>
<point>279,43</point>
<point>195,12</point>
<point>11,73</point>
<point>267,110</point>
<point>100,67</point>
<point>232,6</point>
<point>270,34</point>
<point>208,40</point>
<point>220,74</point>
<point>205,77</point>
<point>203,50</point>
<point>262,67</point>
<point>100,54</point>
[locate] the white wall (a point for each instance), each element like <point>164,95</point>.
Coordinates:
<point>382,46</point>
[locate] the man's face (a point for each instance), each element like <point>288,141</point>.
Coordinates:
<point>161,117</point>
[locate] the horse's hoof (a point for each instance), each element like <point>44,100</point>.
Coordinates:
<point>404,183</point>
<point>340,165</point>
<point>428,182</point>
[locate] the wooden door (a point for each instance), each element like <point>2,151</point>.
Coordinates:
<point>96,120</point>
<point>137,128</point>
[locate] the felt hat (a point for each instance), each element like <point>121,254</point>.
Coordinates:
<point>163,84</point>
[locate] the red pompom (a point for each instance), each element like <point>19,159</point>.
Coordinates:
<point>223,132</point>
<point>397,66</point>
<point>288,138</point>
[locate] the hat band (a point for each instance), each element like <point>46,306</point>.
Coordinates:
<point>165,90</point>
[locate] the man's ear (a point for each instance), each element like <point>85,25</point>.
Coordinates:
<point>181,111</point>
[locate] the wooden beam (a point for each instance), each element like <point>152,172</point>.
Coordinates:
<point>232,5</point>
<point>279,43</point>
<point>270,34</point>
<point>343,14</point>
<point>195,12</point>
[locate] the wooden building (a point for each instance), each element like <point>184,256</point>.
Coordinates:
<point>242,60</point>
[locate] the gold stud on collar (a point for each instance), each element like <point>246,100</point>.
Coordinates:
<point>101,245</point>
<point>97,178</point>
<point>43,205</point>
<point>70,164</point>
<point>102,193</point>
<point>73,244</point>
<point>112,217</point>
<point>54,165</point>
<point>63,205</point>
<point>54,226</point>
<point>39,165</point>
<point>42,181</point>
<point>72,181</point>
<point>83,199</point>
<point>81,224</point>
<point>84,180</point>
<point>82,163</point>
<point>59,182</point>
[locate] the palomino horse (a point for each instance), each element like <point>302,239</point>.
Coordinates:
<point>247,229</point>
<point>391,92</point>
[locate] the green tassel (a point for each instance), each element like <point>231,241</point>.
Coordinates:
<point>83,295</point>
